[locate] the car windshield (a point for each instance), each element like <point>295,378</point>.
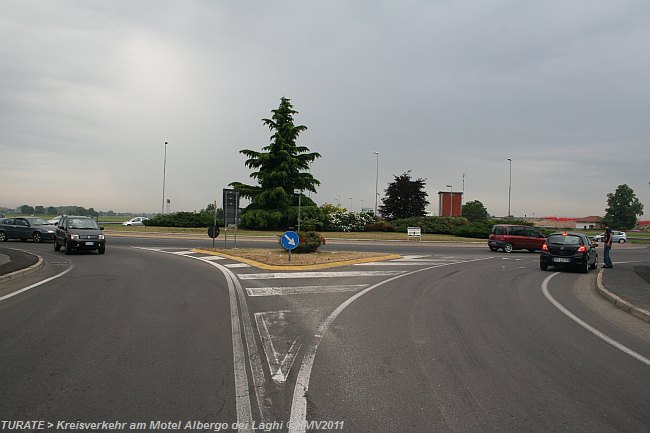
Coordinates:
<point>37,221</point>
<point>565,240</point>
<point>84,224</point>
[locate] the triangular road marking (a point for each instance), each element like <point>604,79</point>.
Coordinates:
<point>281,344</point>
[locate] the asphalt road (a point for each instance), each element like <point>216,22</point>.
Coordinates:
<point>447,339</point>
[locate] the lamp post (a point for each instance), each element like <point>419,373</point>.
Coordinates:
<point>509,186</point>
<point>299,192</point>
<point>164,172</point>
<point>451,199</point>
<point>376,183</point>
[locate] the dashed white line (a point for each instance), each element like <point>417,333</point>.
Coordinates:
<point>284,291</point>
<point>281,275</point>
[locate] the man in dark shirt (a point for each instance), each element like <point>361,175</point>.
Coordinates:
<point>608,246</point>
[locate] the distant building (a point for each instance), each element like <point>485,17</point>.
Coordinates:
<point>449,203</point>
<point>590,222</point>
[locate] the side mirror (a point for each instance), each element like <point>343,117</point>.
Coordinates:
<point>594,244</point>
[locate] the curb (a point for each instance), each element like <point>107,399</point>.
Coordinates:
<point>299,267</point>
<point>637,312</point>
<point>22,272</point>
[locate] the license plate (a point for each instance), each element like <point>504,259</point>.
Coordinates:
<point>561,260</point>
<point>90,243</point>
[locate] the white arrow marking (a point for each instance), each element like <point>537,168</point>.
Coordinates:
<point>290,241</point>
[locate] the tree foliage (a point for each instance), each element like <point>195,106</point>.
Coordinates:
<point>474,211</point>
<point>623,208</point>
<point>404,198</point>
<point>281,167</point>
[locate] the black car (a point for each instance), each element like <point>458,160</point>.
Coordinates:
<point>24,228</point>
<point>569,250</point>
<point>79,233</point>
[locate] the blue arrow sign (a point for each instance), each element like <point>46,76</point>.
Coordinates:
<point>290,240</point>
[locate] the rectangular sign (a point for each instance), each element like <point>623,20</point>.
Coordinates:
<point>230,206</point>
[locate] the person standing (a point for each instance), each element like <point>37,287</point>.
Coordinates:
<point>608,246</point>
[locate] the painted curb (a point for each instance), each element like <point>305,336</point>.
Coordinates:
<point>619,302</point>
<point>300,267</point>
<point>22,272</point>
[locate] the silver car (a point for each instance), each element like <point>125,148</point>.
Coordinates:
<point>617,236</point>
<point>137,221</point>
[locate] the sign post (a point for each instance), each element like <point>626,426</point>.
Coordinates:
<point>290,241</point>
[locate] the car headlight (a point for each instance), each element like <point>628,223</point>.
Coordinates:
<point>74,237</point>
<point>50,231</point>
<point>101,236</point>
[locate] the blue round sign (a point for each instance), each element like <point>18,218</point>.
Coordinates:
<point>290,240</point>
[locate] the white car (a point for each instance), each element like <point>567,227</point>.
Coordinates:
<point>55,220</point>
<point>137,221</point>
<point>619,237</point>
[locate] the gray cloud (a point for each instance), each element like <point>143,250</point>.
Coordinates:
<point>92,90</point>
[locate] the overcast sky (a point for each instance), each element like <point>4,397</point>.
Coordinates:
<point>91,91</point>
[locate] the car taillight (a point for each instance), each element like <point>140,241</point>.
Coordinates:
<point>582,249</point>
<point>545,247</point>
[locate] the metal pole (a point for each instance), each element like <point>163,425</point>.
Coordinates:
<point>376,183</point>
<point>164,172</point>
<point>215,221</point>
<point>462,196</point>
<point>299,197</point>
<point>509,187</point>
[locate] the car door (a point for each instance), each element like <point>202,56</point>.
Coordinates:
<point>22,229</point>
<point>535,238</point>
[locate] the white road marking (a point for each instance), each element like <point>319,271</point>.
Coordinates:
<point>36,284</point>
<point>183,253</point>
<point>402,263</point>
<point>211,258</point>
<point>279,275</point>
<point>237,265</point>
<point>284,291</point>
<point>279,365</point>
<point>297,420</point>
<point>588,327</point>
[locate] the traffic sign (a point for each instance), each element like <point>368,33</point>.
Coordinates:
<point>213,231</point>
<point>290,240</point>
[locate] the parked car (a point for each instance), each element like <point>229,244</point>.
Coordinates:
<point>137,221</point>
<point>617,236</point>
<point>569,250</point>
<point>79,233</point>
<point>511,237</point>
<point>24,228</point>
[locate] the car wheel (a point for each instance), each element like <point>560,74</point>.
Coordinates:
<point>507,248</point>
<point>621,241</point>
<point>3,236</point>
<point>57,247</point>
<point>543,266</point>
<point>585,269</point>
<point>37,237</point>
<point>595,265</point>
<point>102,249</point>
<point>68,250</point>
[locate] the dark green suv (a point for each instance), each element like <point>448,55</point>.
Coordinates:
<point>79,233</point>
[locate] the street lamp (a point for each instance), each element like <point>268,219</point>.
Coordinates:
<point>299,192</point>
<point>376,183</point>
<point>509,186</point>
<point>451,199</point>
<point>164,172</point>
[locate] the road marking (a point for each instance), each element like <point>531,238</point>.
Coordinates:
<point>280,362</point>
<point>403,262</point>
<point>36,284</point>
<point>182,253</point>
<point>237,265</point>
<point>210,258</point>
<point>588,327</point>
<point>279,275</point>
<point>284,291</point>
<point>298,416</point>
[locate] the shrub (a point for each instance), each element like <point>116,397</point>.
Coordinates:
<point>380,226</point>
<point>430,224</point>
<point>473,230</point>
<point>180,219</point>
<point>262,219</point>
<point>344,221</point>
